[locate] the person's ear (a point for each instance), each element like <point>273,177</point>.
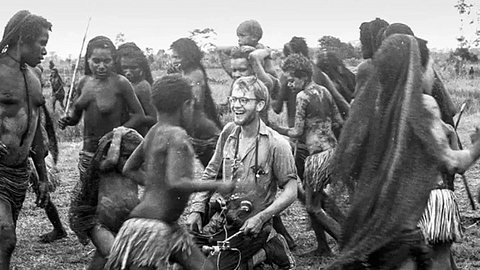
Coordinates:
<point>260,105</point>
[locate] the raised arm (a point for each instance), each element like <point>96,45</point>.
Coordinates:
<point>257,59</point>
<point>179,157</point>
<point>137,116</point>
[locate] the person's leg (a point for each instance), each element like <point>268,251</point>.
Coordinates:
<point>313,203</point>
<point>58,231</point>
<point>7,234</point>
<point>280,228</point>
<point>98,262</point>
<point>102,239</point>
<point>193,261</point>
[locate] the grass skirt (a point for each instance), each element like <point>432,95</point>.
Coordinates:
<point>147,243</point>
<point>440,222</point>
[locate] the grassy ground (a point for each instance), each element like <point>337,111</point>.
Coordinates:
<point>69,254</point>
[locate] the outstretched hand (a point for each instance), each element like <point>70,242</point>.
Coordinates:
<point>43,195</point>
<point>226,187</point>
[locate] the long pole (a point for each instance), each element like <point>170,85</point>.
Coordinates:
<point>464,178</point>
<point>70,91</point>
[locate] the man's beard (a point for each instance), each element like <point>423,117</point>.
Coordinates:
<point>247,120</point>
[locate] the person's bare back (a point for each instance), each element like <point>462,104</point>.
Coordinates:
<point>169,157</point>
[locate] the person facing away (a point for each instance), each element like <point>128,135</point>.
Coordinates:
<point>163,163</point>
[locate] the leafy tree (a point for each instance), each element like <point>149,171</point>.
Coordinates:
<point>205,38</point>
<point>342,49</point>
<point>119,39</point>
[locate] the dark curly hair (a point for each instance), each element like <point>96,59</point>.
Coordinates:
<point>296,45</point>
<point>130,49</point>
<point>170,92</point>
<point>299,64</point>
<point>101,42</point>
<point>23,24</point>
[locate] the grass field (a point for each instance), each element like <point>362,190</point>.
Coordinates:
<point>69,254</point>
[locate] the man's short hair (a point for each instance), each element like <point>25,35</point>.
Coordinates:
<point>251,27</point>
<point>23,24</point>
<point>101,42</point>
<point>252,83</point>
<point>299,64</point>
<point>170,92</point>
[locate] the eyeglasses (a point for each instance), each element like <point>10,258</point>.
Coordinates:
<point>243,100</point>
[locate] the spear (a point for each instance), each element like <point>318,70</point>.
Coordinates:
<point>464,178</point>
<point>70,91</point>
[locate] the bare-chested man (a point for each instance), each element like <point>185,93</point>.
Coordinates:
<point>132,63</point>
<point>163,163</point>
<point>102,97</point>
<point>23,43</point>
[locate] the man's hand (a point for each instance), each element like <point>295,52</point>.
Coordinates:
<point>64,122</point>
<point>252,226</point>
<point>194,222</point>
<point>43,195</point>
<point>3,149</point>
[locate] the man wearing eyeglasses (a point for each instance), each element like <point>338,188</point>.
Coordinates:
<point>260,161</point>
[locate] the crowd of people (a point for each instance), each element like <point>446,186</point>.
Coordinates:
<point>384,136</point>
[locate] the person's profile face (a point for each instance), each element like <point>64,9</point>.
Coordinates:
<point>294,83</point>
<point>176,59</point>
<point>240,68</point>
<point>246,39</point>
<point>32,53</point>
<point>101,62</point>
<point>131,69</point>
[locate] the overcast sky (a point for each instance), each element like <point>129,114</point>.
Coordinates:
<point>157,24</point>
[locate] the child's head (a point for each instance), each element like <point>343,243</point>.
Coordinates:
<point>249,33</point>
<point>171,93</point>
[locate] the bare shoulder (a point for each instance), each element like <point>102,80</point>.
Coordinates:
<point>431,105</point>
<point>142,87</point>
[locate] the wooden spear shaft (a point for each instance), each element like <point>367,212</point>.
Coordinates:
<point>70,91</point>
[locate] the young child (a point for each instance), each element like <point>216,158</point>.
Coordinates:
<point>163,163</point>
<point>249,33</point>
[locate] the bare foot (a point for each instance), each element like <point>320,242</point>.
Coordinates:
<point>52,236</point>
